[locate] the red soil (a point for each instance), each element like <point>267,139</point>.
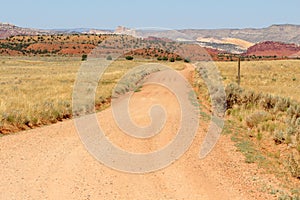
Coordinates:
<point>277,49</point>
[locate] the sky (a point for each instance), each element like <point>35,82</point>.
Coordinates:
<point>173,14</point>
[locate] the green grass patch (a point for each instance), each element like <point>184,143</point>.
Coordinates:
<point>252,155</point>
<point>138,89</point>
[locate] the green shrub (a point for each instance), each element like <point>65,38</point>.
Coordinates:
<point>187,60</point>
<point>84,57</point>
<point>109,57</point>
<point>259,135</point>
<point>178,59</point>
<point>129,58</point>
<point>165,58</point>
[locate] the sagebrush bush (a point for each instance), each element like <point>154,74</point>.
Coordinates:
<point>282,104</point>
<point>268,101</point>
<point>210,76</point>
<point>250,97</point>
<point>256,118</point>
<point>294,111</point>
<point>277,115</point>
<point>233,95</point>
<point>293,165</point>
<point>279,137</point>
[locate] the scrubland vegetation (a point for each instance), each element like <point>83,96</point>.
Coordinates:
<point>263,116</point>
<point>38,90</point>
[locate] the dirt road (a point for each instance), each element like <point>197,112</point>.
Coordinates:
<point>52,163</point>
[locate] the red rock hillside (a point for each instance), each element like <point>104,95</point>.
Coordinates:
<point>277,49</point>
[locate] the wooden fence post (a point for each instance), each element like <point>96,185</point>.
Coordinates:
<point>239,71</point>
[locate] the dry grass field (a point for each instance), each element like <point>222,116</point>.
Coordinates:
<point>280,77</point>
<point>35,91</point>
<point>263,118</point>
<point>38,90</point>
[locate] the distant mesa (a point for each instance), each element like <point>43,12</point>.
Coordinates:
<point>125,31</point>
<point>270,48</point>
<point>276,40</point>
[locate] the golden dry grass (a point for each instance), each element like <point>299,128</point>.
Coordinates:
<point>32,89</point>
<point>280,78</point>
<point>37,91</point>
<point>265,127</point>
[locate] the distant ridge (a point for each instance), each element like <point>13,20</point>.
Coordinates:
<point>229,40</point>
<point>287,33</point>
<point>7,30</point>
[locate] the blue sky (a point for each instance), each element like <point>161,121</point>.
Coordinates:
<point>176,14</point>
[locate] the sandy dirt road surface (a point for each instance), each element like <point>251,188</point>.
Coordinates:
<point>52,163</point>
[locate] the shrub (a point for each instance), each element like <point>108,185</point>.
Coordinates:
<point>257,117</point>
<point>172,59</point>
<point>294,111</point>
<point>294,166</point>
<point>178,58</point>
<point>83,57</point>
<point>250,98</point>
<point>282,104</point>
<point>165,58</point>
<point>187,60</point>
<point>109,57</point>
<point>233,95</point>
<point>129,58</point>
<point>259,135</point>
<point>279,137</point>
<point>268,102</point>
<point>276,118</point>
